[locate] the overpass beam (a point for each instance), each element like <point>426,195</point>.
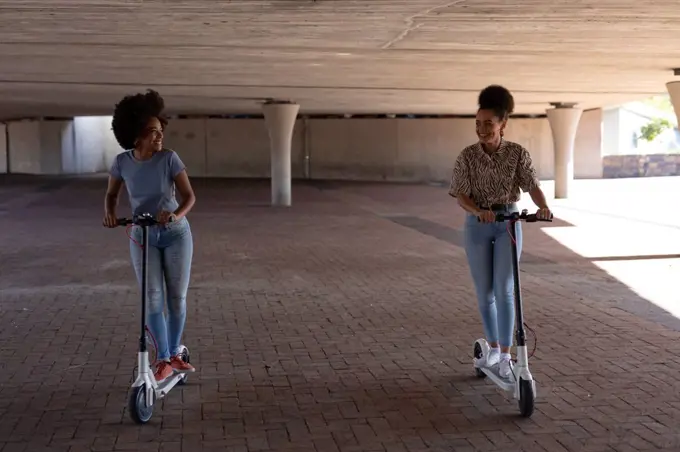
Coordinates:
<point>674,93</point>
<point>279,117</point>
<point>563,119</point>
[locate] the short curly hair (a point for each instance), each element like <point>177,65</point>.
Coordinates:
<point>498,99</point>
<point>132,114</point>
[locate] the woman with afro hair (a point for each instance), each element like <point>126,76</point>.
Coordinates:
<point>151,174</point>
<point>488,178</point>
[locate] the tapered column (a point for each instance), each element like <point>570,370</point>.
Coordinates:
<point>563,119</point>
<point>279,117</point>
<point>674,93</point>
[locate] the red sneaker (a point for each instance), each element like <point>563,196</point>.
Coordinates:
<point>180,365</point>
<point>163,371</point>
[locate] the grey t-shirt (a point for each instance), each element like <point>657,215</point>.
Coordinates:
<point>150,183</point>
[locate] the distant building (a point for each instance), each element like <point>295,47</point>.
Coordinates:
<point>621,128</point>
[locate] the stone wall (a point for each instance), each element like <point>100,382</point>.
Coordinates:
<point>640,165</point>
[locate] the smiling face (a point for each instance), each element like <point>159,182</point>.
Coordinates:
<point>489,127</point>
<point>151,138</point>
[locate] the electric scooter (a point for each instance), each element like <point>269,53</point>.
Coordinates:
<point>145,390</point>
<point>520,382</point>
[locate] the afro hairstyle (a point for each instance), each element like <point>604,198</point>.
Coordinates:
<point>133,113</point>
<point>498,99</point>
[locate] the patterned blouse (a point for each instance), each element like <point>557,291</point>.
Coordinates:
<point>493,179</point>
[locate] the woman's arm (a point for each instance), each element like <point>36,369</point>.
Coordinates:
<point>468,204</point>
<point>528,181</point>
<point>112,193</point>
<point>186,192</point>
<point>538,197</point>
<point>460,186</point>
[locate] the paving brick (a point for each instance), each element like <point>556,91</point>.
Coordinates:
<point>343,323</point>
<point>170,447</point>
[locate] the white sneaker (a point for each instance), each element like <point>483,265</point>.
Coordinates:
<point>490,360</point>
<point>505,366</point>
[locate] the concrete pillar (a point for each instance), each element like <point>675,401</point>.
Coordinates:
<point>279,117</point>
<point>563,119</point>
<point>674,93</point>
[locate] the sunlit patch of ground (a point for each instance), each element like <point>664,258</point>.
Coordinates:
<point>628,227</point>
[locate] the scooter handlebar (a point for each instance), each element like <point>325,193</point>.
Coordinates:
<point>523,216</point>
<point>144,219</point>
<point>517,216</point>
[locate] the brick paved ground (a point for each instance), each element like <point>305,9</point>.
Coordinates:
<point>344,323</point>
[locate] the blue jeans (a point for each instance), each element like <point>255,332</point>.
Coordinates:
<point>489,254</point>
<point>171,250</point>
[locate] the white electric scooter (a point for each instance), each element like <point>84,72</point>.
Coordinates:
<point>145,390</point>
<point>520,382</point>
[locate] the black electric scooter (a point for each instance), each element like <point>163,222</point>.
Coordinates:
<point>145,390</point>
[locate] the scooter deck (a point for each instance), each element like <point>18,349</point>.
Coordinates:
<point>507,384</point>
<point>166,385</point>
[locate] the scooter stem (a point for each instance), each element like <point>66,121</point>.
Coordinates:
<point>145,277</point>
<point>521,337</point>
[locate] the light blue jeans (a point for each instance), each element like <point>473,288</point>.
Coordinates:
<point>171,250</point>
<point>489,255</point>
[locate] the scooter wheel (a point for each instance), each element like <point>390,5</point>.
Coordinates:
<point>139,411</point>
<point>526,398</point>
<point>478,354</point>
<point>186,357</point>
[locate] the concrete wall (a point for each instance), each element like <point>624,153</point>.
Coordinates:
<point>36,147</point>
<point>216,147</point>
<point>386,149</point>
<point>56,139</point>
<point>3,148</point>
<point>24,147</point>
<point>367,149</point>
<point>399,149</point>
<point>190,136</point>
<point>409,149</point>
<point>79,146</point>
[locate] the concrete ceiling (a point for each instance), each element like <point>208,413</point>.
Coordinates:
<point>65,57</point>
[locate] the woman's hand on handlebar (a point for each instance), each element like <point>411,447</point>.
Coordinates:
<point>110,220</point>
<point>544,214</point>
<point>165,217</point>
<point>486,216</point>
